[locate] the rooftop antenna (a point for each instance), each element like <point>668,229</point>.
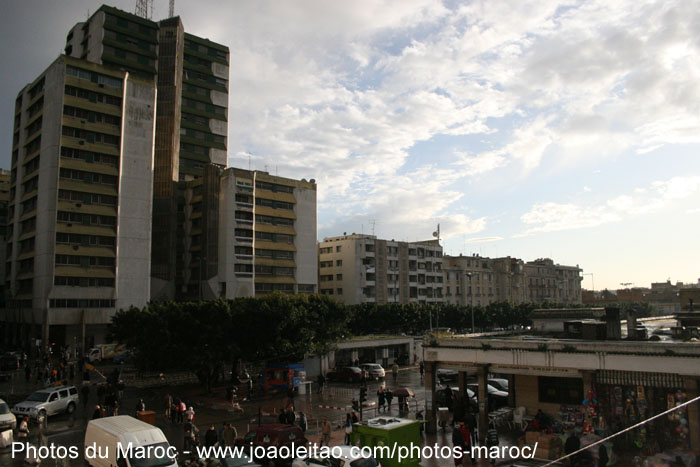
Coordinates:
<point>143,7</point>
<point>171,9</point>
<point>436,234</point>
<point>373,223</point>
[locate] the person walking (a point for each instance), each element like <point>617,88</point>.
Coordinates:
<point>189,414</point>
<point>421,369</point>
<point>458,444</point>
<point>210,437</point>
<point>381,399</point>
<point>320,380</point>
<point>395,371</point>
<point>326,432</point>
<point>168,405</point>
<point>303,422</point>
<point>140,406</point>
<point>23,430</point>
<point>466,445</point>
<point>230,435</point>
<point>182,408</point>
<point>389,397</point>
<point>470,422</point>
<point>348,428</point>
<point>97,413</point>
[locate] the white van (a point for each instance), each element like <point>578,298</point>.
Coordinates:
<point>125,441</point>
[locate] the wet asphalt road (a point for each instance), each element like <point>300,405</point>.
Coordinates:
<point>213,410</point>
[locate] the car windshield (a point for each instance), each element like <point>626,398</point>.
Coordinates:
<point>38,397</point>
<point>4,409</point>
<point>152,460</point>
<point>373,366</point>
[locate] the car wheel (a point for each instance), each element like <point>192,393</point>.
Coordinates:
<point>70,409</point>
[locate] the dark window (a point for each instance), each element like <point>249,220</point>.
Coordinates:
<point>560,390</point>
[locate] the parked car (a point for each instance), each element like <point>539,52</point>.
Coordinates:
<point>47,402</point>
<point>496,398</point>
<point>499,383</point>
<point>374,370</point>
<point>274,434</point>
<point>441,397</point>
<point>350,374</point>
<point>345,459</point>
<point>443,374</point>
<point>7,418</point>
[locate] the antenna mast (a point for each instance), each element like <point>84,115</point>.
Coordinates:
<point>171,10</point>
<point>144,8</point>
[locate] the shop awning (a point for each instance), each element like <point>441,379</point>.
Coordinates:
<point>639,378</point>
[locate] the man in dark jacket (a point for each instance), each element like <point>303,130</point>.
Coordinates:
<point>210,438</point>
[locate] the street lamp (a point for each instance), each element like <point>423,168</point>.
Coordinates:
<point>471,299</point>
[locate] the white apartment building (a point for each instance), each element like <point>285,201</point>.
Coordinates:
<point>364,269</point>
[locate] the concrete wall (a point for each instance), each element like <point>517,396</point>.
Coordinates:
<point>135,194</point>
<point>96,34</point>
<point>45,243</point>
<point>235,286</point>
<point>305,240</point>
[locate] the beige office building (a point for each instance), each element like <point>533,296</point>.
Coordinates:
<point>479,281</point>
<point>364,269</point>
<point>247,233</point>
<point>79,228</point>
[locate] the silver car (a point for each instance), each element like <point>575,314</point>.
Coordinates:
<point>7,420</point>
<point>47,402</point>
<point>374,370</point>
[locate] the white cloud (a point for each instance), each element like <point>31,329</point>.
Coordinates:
<point>483,239</point>
<point>550,217</point>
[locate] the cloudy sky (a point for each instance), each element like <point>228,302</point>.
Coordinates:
<point>568,130</point>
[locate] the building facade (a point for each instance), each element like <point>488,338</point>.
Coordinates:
<point>191,74</point>
<point>364,269</point>
<point>479,281</point>
<point>79,215</point>
<point>553,283</point>
<point>247,233</point>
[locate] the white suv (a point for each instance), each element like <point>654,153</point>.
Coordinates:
<point>46,402</point>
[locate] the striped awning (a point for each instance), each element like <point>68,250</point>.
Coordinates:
<point>639,378</point>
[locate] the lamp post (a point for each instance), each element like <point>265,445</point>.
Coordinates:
<point>471,299</point>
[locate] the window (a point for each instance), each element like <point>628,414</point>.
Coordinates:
<point>339,277</point>
<point>274,187</point>
<point>324,251</point>
<point>338,248</point>
<point>339,291</point>
<point>339,262</point>
<point>560,390</point>
<point>326,264</point>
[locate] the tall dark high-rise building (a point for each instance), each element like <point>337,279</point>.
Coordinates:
<point>104,141</point>
<point>191,120</point>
